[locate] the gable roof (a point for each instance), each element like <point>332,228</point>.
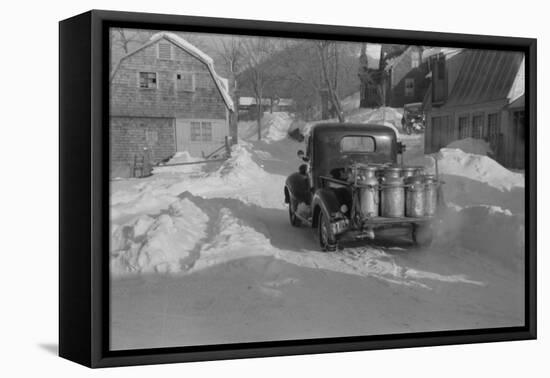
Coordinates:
<point>487,75</point>
<point>221,83</point>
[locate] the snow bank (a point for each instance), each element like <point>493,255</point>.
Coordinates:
<point>453,161</point>
<point>478,167</point>
<point>239,177</point>
<point>491,231</point>
<point>277,125</point>
<point>472,146</point>
<point>158,244</point>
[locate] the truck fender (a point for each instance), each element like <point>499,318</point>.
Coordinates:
<point>324,200</point>
<point>297,187</point>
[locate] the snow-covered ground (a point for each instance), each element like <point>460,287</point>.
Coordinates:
<point>206,255</point>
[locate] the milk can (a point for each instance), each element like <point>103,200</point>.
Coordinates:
<point>411,171</point>
<point>368,192</point>
<point>430,195</point>
<point>393,194</point>
<point>414,196</point>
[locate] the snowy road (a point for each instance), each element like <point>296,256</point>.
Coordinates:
<point>210,257</point>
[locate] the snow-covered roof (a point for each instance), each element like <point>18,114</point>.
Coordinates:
<point>221,83</point>
<point>487,75</point>
<point>248,101</point>
<point>448,52</point>
<point>285,102</point>
<point>518,87</point>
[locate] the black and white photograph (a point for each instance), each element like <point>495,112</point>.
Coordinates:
<point>267,189</point>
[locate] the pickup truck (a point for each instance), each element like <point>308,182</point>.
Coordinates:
<point>325,192</point>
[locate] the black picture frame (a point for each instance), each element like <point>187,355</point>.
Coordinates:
<point>84,188</point>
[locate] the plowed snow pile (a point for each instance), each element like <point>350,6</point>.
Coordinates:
<point>472,146</point>
<point>453,161</point>
<point>158,244</point>
<point>478,167</point>
<point>240,177</point>
<point>277,125</point>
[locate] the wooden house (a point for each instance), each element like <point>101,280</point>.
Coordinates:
<point>478,94</point>
<point>166,97</point>
<point>406,78</point>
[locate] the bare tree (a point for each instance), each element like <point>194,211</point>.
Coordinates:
<point>323,49</point>
<point>232,52</point>
<point>125,38</point>
<point>259,73</point>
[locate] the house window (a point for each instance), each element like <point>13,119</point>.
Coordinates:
<point>165,51</point>
<point>415,59</point>
<point>148,80</point>
<point>477,127</point>
<point>463,131</point>
<point>185,82</point>
<point>493,131</point>
<point>201,131</point>
<point>409,87</point>
<point>206,131</point>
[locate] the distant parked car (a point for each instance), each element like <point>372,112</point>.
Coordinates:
<point>413,120</point>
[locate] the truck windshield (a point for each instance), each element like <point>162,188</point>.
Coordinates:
<point>357,144</point>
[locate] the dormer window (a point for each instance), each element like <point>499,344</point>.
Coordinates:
<point>164,51</point>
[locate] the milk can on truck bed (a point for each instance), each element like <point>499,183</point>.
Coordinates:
<point>369,196</point>
<point>430,195</point>
<point>414,196</point>
<point>392,196</point>
<point>411,171</point>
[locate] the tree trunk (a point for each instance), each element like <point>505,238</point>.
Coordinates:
<point>234,115</point>
<point>332,94</point>
<point>259,116</point>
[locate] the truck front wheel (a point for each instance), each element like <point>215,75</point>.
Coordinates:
<point>326,238</point>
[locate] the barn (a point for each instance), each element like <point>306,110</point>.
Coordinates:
<point>477,94</point>
<point>166,97</point>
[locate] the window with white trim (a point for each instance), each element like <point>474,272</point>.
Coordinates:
<point>201,131</point>
<point>164,51</point>
<point>415,59</point>
<point>148,80</point>
<point>185,82</point>
<point>477,127</point>
<point>463,127</point>
<point>409,87</point>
